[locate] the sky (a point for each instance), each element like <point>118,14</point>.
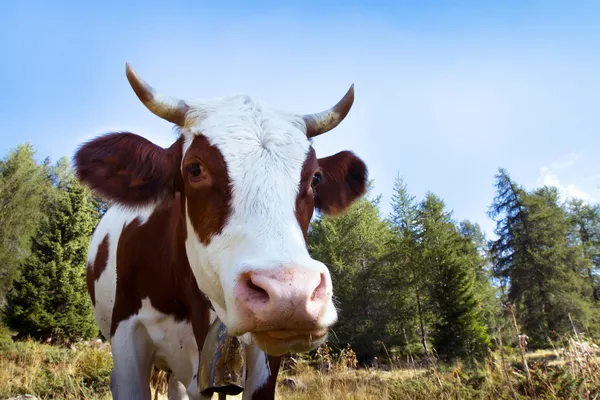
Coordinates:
<point>445,92</point>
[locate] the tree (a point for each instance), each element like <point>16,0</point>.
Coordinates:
<point>406,276</point>
<point>476,246</point>
<point>584,232</point>
<point>532,257</point>
<point>458,329</point>
<point>50,294</point>
<point>352,246</point>
<point>22,186</point>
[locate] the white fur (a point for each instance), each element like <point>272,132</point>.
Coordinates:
<point>174,342</point>
<point>264,150</point>
<point>256,362</point>
<point>149,337</point>
<point>132,361</point>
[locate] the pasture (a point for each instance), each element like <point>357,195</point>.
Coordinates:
<point>81,371</point>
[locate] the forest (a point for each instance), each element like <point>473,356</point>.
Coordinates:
<point>414,284</point>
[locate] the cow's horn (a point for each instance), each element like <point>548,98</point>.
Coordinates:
<point>166,107</point>
<point>324,121</point>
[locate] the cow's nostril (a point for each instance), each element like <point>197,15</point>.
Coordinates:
<point>256,291</point>
<point>321,289</point>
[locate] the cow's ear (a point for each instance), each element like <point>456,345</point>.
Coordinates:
<point>343,181</point>
<point>128,169</point>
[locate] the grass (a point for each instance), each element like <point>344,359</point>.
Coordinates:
<point>53,372</point>
<point>82,372</point>
<point>570,372</point>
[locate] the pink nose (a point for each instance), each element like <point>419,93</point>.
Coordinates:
<point>282,299</point>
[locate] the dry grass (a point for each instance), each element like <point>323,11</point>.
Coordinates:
<point>568,378</point>
<point>82,372</point>
<point>54,372</point>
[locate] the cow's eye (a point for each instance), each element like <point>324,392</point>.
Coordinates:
<point>195,170</point>
<point>316,179</point>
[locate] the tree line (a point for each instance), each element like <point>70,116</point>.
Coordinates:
<point>421,283</point>
<point>415,282</point>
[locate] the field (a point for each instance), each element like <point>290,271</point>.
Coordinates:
<point>82,372</point>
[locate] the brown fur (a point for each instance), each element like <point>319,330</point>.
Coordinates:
<point>209,195</point>
<point>344,180</point>
<point>129,169</point>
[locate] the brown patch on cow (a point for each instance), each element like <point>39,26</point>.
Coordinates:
<point>152,263</point>
<point>90,283</point>
<point>208,195</point>
<point>305,200</point>
<point>94,270</point>
<point>101,260</point>
<point>267,391</point>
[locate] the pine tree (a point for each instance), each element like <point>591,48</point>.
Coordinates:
<point>406,276</point>
<point>352,246</point>
<point>458,330</point>
<point>480,262</point>
<point>22,186</point>
<point>50,294</point>
<point>584,232</point>
<point>532,257</point>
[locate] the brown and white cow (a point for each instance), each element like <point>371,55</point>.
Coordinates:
<point>224,211</point>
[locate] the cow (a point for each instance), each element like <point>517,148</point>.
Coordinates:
<point>213,227</point>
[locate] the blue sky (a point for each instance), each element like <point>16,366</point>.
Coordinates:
<point>446,92</point>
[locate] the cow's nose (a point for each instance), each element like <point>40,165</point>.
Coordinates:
<point>284,298</point>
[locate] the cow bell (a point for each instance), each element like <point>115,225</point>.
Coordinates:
<point>222,363</point>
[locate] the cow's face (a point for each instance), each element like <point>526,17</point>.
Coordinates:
<point>250,181</point>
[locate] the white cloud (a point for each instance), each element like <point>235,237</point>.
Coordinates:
<point>568,190</point>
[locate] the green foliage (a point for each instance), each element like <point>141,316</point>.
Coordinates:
<point>459,330</point>
<point>479,260</point>
<point>407,274</point>
<point>399,280</point>
<point>50,295</point>
<point>22,187</point>
<point>534,259</point>
<point>584,220</point>
<point>352,246</point>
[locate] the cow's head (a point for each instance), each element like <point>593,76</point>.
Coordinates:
<point>249,181</point>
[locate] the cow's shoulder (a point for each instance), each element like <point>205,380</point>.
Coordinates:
<point>152,265</point>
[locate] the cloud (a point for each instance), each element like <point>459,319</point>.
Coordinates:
<point>569,190</point>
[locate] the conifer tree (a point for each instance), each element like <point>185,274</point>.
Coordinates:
<point>458,330</point>
<point>476,246</point>
<point>50,294</point>
<point>352,246</point>
<point>22,186</point>
<point>584,232</point>
<point>407,275</point>
<point>533,258</point>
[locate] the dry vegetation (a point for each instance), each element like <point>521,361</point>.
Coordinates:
<point>82,372</point>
